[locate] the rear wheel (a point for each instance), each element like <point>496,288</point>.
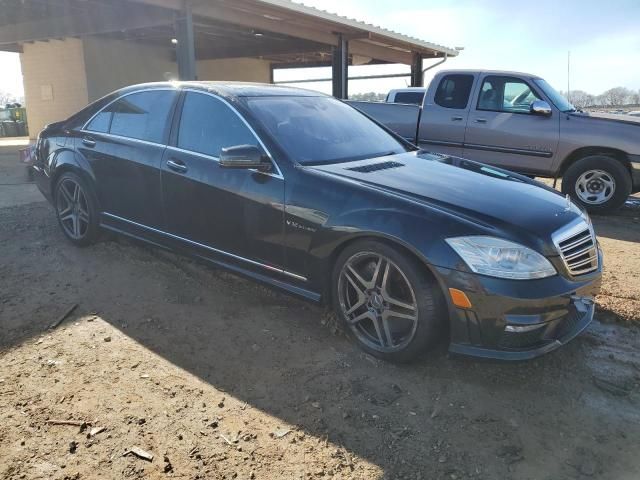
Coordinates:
<point>76,209</point>
<point>390,306</point>
<point>597,182</point>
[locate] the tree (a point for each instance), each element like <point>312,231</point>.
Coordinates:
<point>368,97</point>
<point>616,96</point>
<point>635,98</point>
<point>6,97</point>
<point>581,99</point>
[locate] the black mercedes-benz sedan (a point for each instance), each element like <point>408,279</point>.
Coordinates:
<point>305,193</point>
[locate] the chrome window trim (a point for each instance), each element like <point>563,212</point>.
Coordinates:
<point>84,127</point>
<point>121,137</point>
<point>278,173</point>
<point>216,250</point>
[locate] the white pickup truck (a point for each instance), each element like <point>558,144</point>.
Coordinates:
<point>519,122</point>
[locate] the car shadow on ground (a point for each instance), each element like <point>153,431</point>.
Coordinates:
<point>440,418</point>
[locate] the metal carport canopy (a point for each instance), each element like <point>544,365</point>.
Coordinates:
<point>280,31</point>
<point>309,23</point>
<point>313,28</point>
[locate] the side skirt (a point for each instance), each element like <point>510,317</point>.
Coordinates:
<point>264,279</point>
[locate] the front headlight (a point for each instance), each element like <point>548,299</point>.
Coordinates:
<point>500,258</point>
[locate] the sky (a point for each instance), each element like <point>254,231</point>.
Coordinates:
<point>529,36</point>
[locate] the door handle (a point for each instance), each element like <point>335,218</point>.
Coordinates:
<point>481,120</point>
<point>177,165</point>
<point>88,141</point>
<point>457,119</point>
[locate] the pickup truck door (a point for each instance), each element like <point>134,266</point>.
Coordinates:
<point>502,131</point>
<point>445,112</point>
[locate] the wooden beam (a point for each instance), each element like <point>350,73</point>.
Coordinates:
<point>262,49</point>
<point>94,19</point>
<point>378,52</point>
<point>15,48</point>
<point>185,51</point>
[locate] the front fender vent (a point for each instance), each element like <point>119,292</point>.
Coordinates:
<point>374,167</point>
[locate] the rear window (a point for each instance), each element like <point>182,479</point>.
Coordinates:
<point>409,97</point>
<point>454,90</point>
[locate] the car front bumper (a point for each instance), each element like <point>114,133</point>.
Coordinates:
<point>518,319</point>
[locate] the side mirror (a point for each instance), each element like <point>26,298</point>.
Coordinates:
<point>540,107</point>
<point>244,156</point>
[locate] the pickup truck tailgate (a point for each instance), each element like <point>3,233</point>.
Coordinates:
<point>399,117</point>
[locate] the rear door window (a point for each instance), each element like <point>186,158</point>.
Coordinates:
<point>142,115</point>
<point>454,90</point>
<point>101,122</point>
<point>208,125</point>
<point>409,97</point>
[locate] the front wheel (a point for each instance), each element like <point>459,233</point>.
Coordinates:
<point>391,307</point>
<point>597,182</point>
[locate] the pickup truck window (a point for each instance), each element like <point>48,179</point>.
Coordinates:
<point>414,98</point>
<point>320,130</point>
<point>453,91</point>
<point>556,98</point>
<point>506,94</point>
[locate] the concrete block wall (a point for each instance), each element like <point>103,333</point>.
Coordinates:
<point>112,64</point>
<point>55,82</point>
<point>235,69</point>
<point>63,76</point>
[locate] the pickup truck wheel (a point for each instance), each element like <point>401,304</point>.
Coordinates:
<point>387,302</point>
<point>597,182</point>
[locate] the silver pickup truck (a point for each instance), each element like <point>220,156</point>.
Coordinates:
<point>519,122</point>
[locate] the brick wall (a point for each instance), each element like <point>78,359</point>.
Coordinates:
<point>55,82</point>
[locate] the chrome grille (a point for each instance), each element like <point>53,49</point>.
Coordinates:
<point>578,248</point>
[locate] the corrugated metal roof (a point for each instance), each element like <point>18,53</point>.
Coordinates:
<point>353,23</point>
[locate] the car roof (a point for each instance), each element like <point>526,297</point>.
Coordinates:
<point>491,72</point>
<point>228,89</point>
<point>408,89</point>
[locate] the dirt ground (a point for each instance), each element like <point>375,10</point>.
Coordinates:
<point>220,378</point>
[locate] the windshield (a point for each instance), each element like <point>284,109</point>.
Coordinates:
<point>556,97</point>
<point>319,130</point>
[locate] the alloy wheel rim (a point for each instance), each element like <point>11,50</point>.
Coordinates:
<point>73,209</point>
<point>378,302</point>
<point>595,187</point>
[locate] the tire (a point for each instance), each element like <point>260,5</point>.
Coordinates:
<point>598,182</point>
<point>356,301</point>
<point>76,209</point>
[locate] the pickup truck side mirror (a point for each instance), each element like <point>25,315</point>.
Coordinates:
<point>540,107</point>
<point>244,156</point>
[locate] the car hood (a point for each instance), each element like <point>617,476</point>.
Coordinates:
<point>609,117</point>
<point>497,200</point>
